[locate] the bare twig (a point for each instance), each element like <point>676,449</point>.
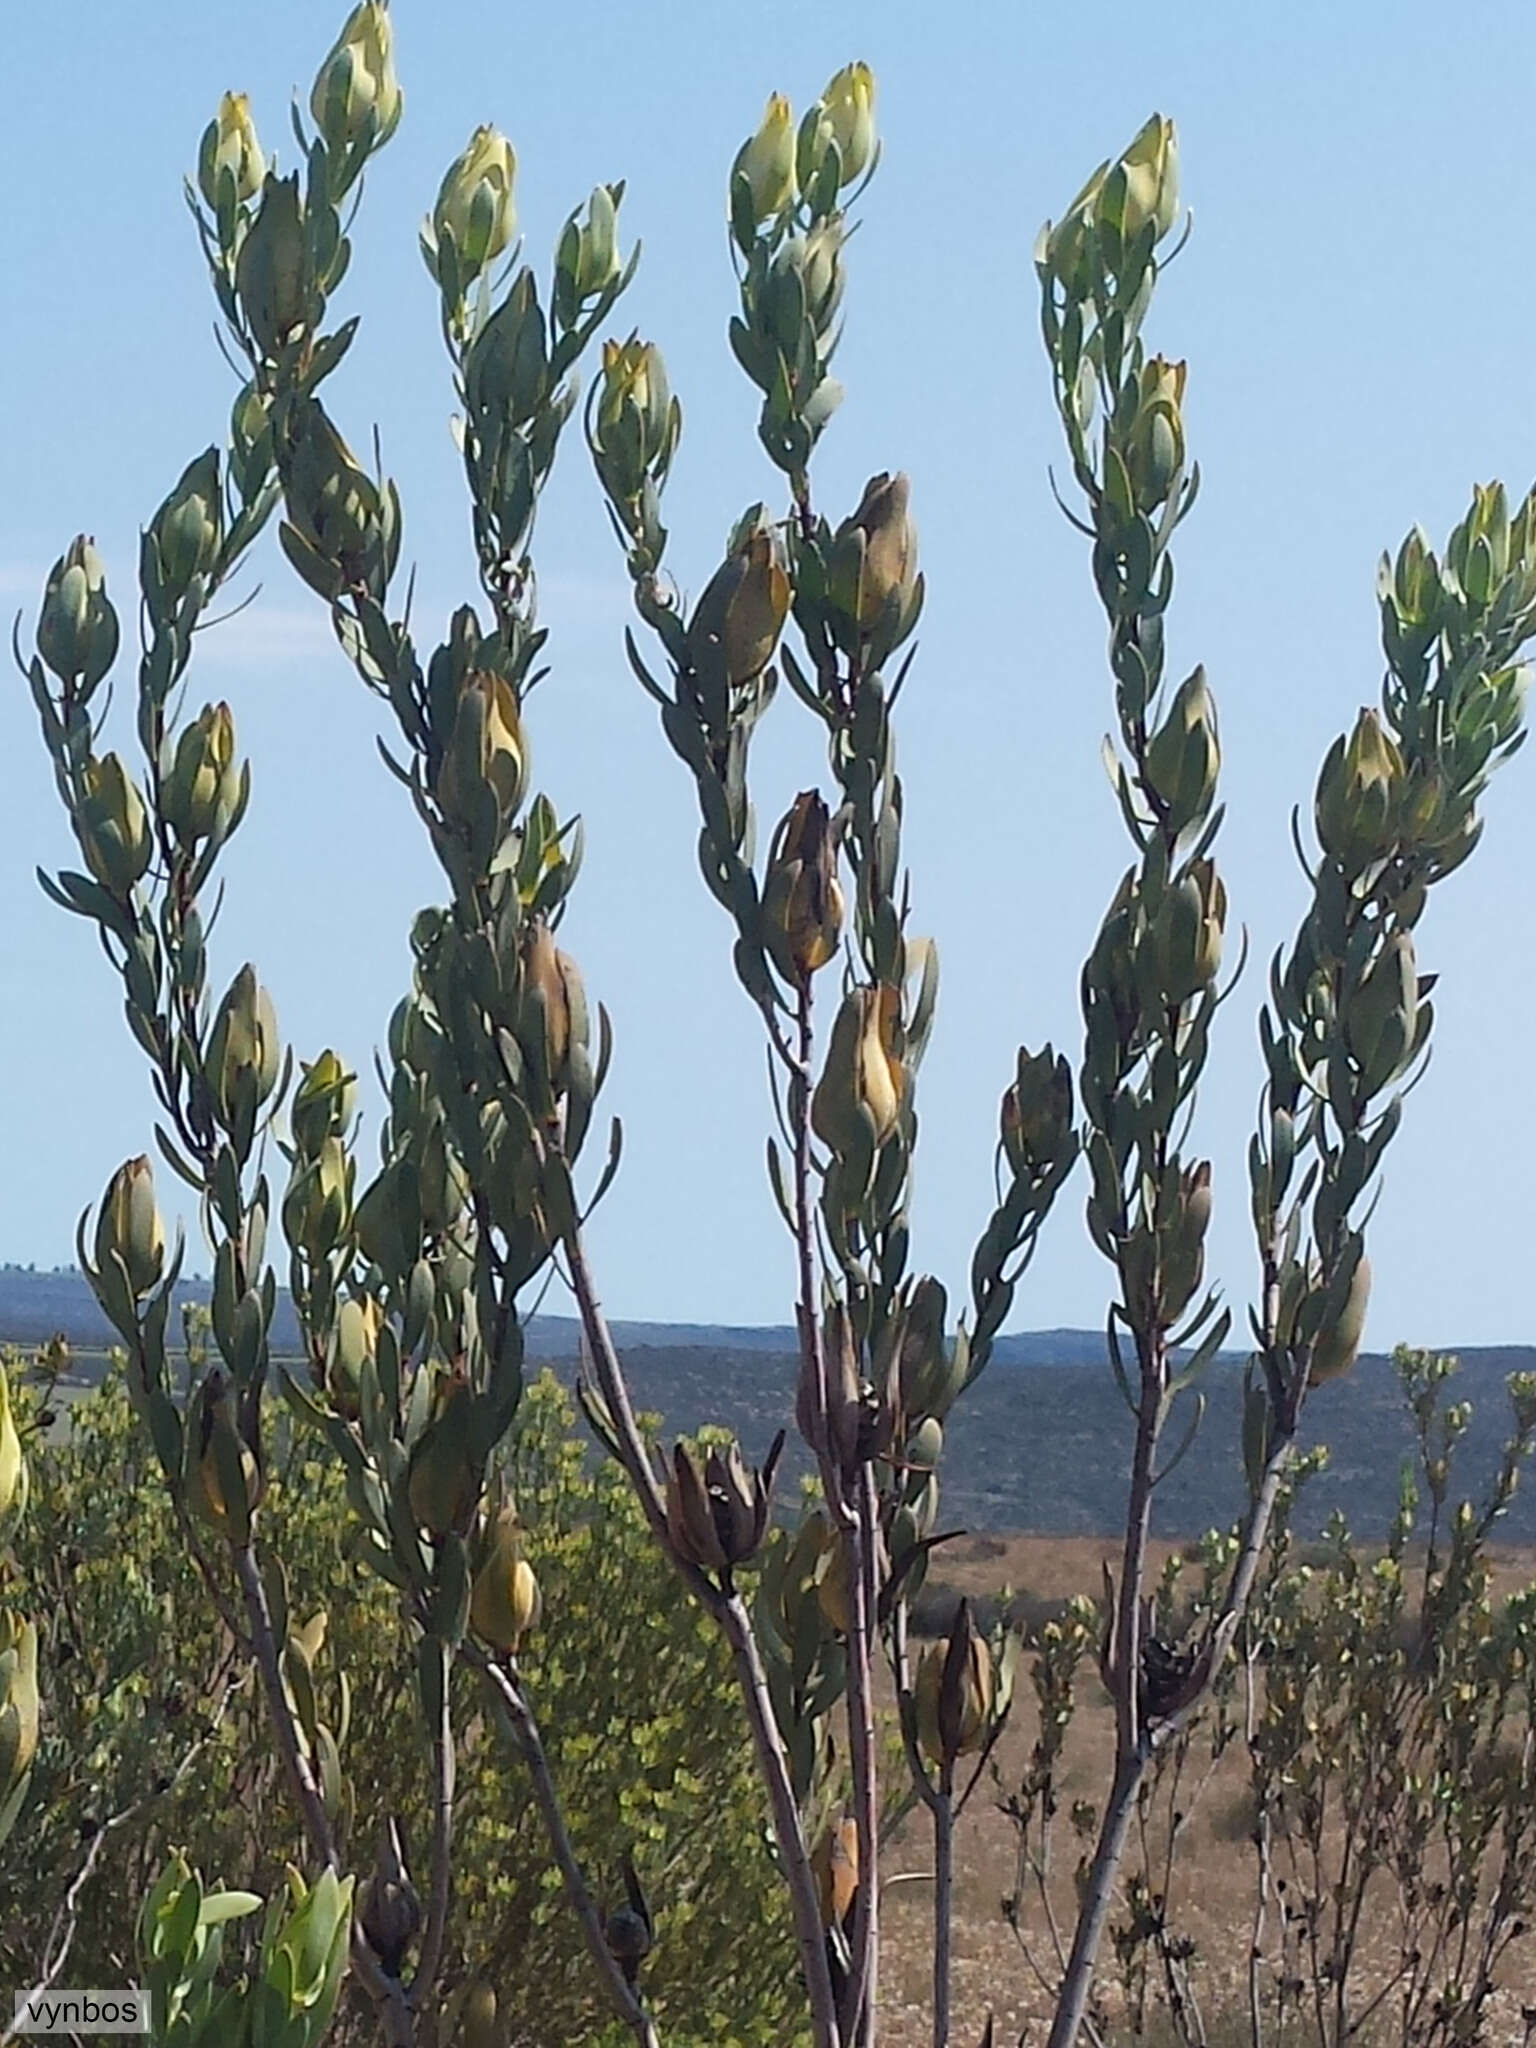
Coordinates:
<point>516,1716</point>
<point>731,1615</point>
<point>443,1766</point>
<point>66,1920</point>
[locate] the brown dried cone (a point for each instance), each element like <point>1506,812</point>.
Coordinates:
<point>218,1457</point>
<point>717,1512</point>
<point>835,1864</point>
<point>630,1931</point>
<point>389,1911</point>
<point>802,900</point>
<point>443,1481</point>
<point>955,1693</point>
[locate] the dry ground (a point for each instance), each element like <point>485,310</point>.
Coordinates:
<point>1213,1894</point>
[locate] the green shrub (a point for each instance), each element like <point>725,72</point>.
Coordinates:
<point>632,1682</point>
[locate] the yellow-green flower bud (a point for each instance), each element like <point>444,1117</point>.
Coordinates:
<point>484,772</point>
<point>270,271</point>
<point>1381,1014</point>
<point>1185,936</point>
<point>1358,796</point>
<point>874,556</point>
<point>505,1603</point>
<point>243,1053</point>
<point>187,531</point>
<point>1184,758</point>
<point>323,1102</point>
<point>77,627</point>
<point>114,827</point>
<point>766,162</point>
<point>848,106</point>
<point>230,151</point>
<point>1143,186</point>
<point>18,1702</point>
<point>1154,453</point>
<point>205,789</point>
<point>356,99</point>
<point>802,901</point>
<point>864,1080</point>
<point>736,623</point>
<point>443,1482</point>
<point>1338,1342</point>
<point>473,2007</point>
<point>475,214</point>
<point>14,1480</point>
<point>129,1224</point>
<point>1037,1113</point>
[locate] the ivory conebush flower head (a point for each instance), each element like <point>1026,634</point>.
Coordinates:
<point>802,899</point>
<point>19,1707</point>
<point>356,98</point>
<point>848,109</point>
<point>484,773</point>
<point>1358,794</point>
<point>1154,454</point>
<point>230,150</point>
<point>244,1052</point>
<point>354,1343</point>
<point>475,215</point>
<point>1184,939</point>
<point>1184,757</point>
<point>1142,187</point>
<point>188,529</point>
<point>204,790</point>
<point>766,161</point>
<point>835,1863</point>
<point>14,1478</point>
<point>130,1228</point>
<point>114,826</point>
<point>77,631</point>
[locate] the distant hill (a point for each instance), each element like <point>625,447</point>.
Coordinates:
<point>1039,1443</point>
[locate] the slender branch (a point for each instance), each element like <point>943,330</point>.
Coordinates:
<point>387,1993</point>
<point>66,1920</point>
<point>444,1765</point>
<point>859,2008</point>
<point>522,1730</point>
<point>943,1902</point>
<point>731,1615</point>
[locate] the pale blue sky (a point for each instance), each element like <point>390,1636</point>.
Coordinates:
<point>1358,306</point>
